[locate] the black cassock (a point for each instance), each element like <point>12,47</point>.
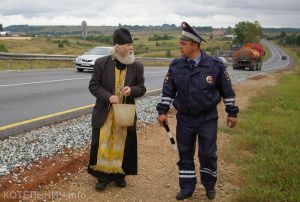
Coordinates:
<point>129,164</point>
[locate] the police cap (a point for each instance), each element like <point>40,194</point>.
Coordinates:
<point>188,33</point>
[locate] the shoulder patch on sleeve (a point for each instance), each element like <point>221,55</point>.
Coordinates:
<point>218,60</point>
<point>226,75</point>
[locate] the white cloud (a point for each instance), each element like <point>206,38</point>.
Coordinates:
<point>276,13</point>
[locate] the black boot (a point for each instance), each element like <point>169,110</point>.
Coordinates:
<point>211,194</point>
<point>101,184</point>
<point>181,196</point>
<point>121,183</point>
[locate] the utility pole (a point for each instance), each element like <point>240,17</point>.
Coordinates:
<point>84,32</point>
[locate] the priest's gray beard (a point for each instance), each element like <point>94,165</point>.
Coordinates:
<point>126,60</point>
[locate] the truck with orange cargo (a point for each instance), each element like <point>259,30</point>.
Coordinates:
<point>249,57</point>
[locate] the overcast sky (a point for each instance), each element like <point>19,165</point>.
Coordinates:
<point>216,13</point>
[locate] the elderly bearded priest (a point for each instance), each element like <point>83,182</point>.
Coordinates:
<point>113,148</point>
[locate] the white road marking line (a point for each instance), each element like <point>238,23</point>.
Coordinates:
<point>39,82</point>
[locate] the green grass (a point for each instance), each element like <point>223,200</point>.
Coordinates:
<point>34,64</point>
<point>270,130</point>
<point>40,45</point>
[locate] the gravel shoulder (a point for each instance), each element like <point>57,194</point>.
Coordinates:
<point>62,175</point>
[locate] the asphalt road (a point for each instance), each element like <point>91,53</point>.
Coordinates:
<point>275,61</point>
<point>29,94</point>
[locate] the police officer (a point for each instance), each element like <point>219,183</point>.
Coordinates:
<point>195,83</point>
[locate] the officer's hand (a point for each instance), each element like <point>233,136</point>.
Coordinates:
<point>126,91</point>
<point>231,121</point>
<point>114,99</point>
<point>162,118</point>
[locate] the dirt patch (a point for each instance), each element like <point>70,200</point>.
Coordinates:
<point>245,154</point>
<point>44,172</point>
<point>64,177</point>
<point>257,77</point>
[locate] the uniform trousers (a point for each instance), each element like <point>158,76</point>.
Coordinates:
<point>190,128</point>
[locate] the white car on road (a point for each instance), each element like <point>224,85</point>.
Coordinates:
<point>87,60</point>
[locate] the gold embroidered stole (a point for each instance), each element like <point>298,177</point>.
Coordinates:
<point>112,138</point>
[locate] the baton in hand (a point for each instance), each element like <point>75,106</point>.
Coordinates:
<point>170,135</point>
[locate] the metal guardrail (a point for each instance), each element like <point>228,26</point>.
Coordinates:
<point>25,56</point>
<point>148,59</point>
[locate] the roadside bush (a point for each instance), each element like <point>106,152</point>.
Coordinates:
<point>100,38</point>
<point>3,48</point>
<point>168,54</point>
<point>55,41</point>
<point>61,44</point>
<point>66,42</point>
<point>140,48</point>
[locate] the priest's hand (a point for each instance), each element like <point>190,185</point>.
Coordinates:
<point>126,91</point>
<point>114,99</point>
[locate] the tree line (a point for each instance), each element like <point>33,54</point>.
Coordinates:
<point>292,39</point>
<point>157,37</point>
<point>107,39</point>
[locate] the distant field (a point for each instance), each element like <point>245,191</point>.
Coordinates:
<point>39,45</point>
<point>74,46</point>
<point>146,48</point>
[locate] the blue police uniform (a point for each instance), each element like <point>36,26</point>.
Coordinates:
<point>195,89</point>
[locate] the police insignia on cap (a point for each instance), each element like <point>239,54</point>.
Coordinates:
<point>210,79</point>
